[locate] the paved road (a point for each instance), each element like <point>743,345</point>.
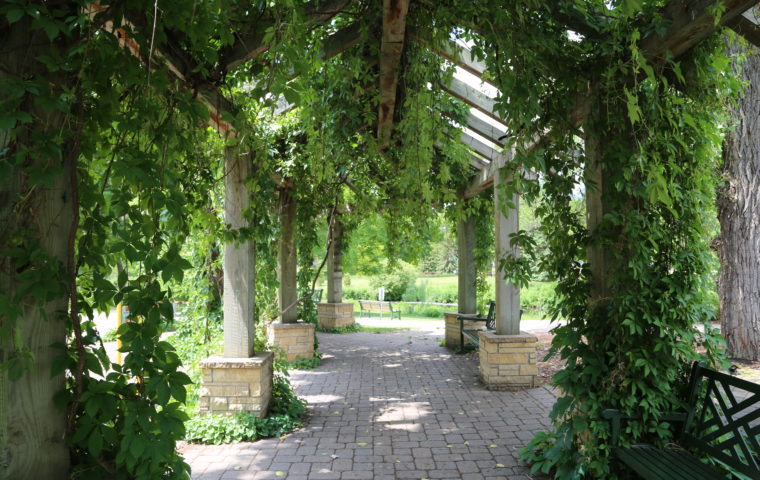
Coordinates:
<point>390,406</point>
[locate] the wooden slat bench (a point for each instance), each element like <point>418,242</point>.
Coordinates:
<point>472,334</point>
<point>721,422</point>
<point>381,306</point>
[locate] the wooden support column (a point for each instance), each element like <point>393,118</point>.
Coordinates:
<point>334,266</point>
<point>288,293</point>
<point>597,255</point>
<point>507,293</point>
<point>467,299</point>
<point>239,261</point>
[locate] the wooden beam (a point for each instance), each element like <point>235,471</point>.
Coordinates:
<point>251,44</point>
<point>483,128</point>
<point>690,22</point>
<point>479,147</point>
<point>746,29</point>
<point>473,97</point>
<point>455,53</point>
<point>391,47</point>
<point>484,178</point>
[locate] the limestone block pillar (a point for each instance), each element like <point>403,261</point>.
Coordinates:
<point>335,313</point>
<point>507,362</point>
<point>467,298</point>
<point>292,341</point>
<point>238,380</point>
<point>232,385</point>
<point>288,260</point>
<point>507,293</point>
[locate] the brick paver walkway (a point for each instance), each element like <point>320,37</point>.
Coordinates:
<point>390,406</point>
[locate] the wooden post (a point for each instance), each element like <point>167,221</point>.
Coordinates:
<point>32,427</point>
<point>334,267</point>
<point>467,299</point>
<point>288,293</point>
<point>597,255</point>
<point>507,293</point>
<point>239,261</point>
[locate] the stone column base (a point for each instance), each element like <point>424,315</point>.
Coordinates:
<point>452,329</point>
<point>334,315</point>
<point>232,385</point>
<point>451,320</point>
<point>294,340</point>
<point>508,362</point>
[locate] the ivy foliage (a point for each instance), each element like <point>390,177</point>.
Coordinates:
<point>90,108</point>
<point>285,414</point>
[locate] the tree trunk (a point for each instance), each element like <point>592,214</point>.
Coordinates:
<point>739,216</point>
<point>32,427</point>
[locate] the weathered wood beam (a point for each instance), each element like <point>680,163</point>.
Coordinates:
<point>472,97</point>
<point>484,178</point>
<point>479,147</point>
<point>682,34</point>
<point>746,29</point>
<point>689,22</point>
<point>455,53</point>
<point>391,47</point>
<point>251,44</point>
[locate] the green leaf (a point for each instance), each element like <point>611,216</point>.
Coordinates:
<point>13,15</point>
<point>95,442</point>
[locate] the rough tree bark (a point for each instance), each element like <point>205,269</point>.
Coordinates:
<point>739,215</point>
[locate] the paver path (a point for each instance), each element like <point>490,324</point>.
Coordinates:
<point>390,406</point>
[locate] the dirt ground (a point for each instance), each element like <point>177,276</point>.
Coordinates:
<point>546,370</point>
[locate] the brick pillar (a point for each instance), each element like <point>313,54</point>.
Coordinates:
<point>334,315</point>
<point>236,384</point>
<point>292,341</point>
<point>508,362</point>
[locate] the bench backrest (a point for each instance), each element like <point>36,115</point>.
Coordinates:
<point>379,305</point>
<point>491,317</point>
<point>316,296</point>
<point>724,419</point>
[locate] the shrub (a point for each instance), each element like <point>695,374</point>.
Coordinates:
<point>359,293</point>
<point>395,282</point>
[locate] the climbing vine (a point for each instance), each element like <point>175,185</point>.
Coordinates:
<point>106,165</point>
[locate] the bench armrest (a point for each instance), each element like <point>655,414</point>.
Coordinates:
<point>616,418</point>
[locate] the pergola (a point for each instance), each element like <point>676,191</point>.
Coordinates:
<point>689,22</point>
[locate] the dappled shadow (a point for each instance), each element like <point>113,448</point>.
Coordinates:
<point>393,405</point>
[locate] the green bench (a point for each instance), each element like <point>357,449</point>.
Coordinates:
<point>316,295</point>
<point>381,306</point>
<point>472,334</point>
<point>722,421</point>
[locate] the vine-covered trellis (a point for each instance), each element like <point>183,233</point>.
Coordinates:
<point>106,165</point>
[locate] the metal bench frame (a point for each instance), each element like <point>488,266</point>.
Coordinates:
<point>722,421</point>
<point>369,306</point>
<point>472,334</point>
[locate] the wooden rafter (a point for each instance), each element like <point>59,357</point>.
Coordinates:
<point>483,128</point>
<point>690,22</point>
<point>251,44</point>
<point>455,53</point>
<point>472,97</point>
<point>391,47</point>
<point>746,28</point>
